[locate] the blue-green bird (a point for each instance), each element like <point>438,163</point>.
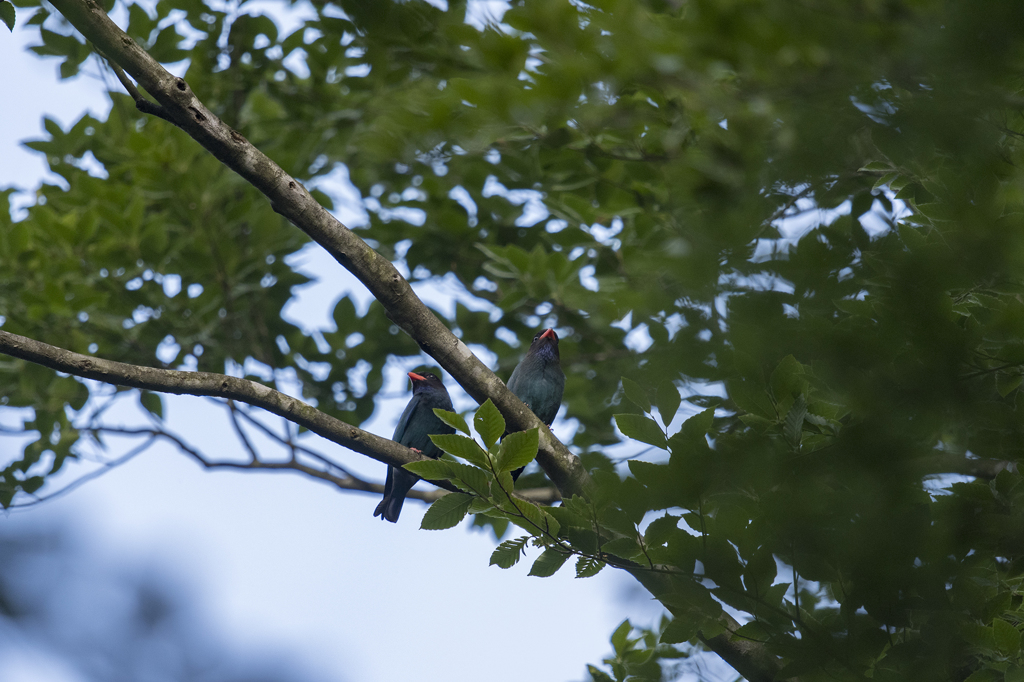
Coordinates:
<point>538,379</point>
<point>413,431</point>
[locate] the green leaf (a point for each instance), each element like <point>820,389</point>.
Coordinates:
<point>1007,383</point>
<point>626,548</point>
<point>153,404</point>
<point>446,512</point>
<point>430,470</point>
<point>776,593</point>
<point>692,596</point>
<point>620,637</point>
<point>461,446</point>
<point>788,379</point>
<point>452,419</point>
<point>793,429</point>
<point>681,629</point>
<point>508,553</point>
<point>7,492</point>
<point>587,567</point>
<point>489,423</point>
<point>1015,673</point>
<point>753,631</point>
<point>578,505</point>
<point>985,675</point>
<point>530,517</point>
<point>636,394</point>
<point>32,484</point>
<point>752,398</point>
<point>548,563</point>
<point>668,401</point>
<point>661,529</point>
<point>470,478</point>
<point>517,450</point>
<point>1006,635</point>
<point>876,167</point>
<point>7,14</point>
<point>641,428</point>
<point>760,571</point>
<point>756,423</point>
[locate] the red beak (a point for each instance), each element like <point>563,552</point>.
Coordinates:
<point>417,377</point>
<point>549,334</point>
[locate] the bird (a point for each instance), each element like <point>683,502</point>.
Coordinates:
<point>415,425</point>
<point>538,379</point>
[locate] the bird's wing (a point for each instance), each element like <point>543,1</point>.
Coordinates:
<point>403,421</point>
<point>513,381</point>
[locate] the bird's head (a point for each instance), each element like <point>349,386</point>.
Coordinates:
<point>546,339</point>
<point>424,380</point>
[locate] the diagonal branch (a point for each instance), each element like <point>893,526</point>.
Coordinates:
<point>289,198</point>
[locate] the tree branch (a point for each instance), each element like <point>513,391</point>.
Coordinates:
<point>289,198</point>
<point>218,385</point>
<point>250,392</point>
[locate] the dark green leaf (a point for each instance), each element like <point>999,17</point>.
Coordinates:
<point>1007,383</point>
<point>1006,635</point>
<point>682,629</point>
<point>446,512</point>
<point>668,401</point>
<point>430,470</point>
<point>461,446</point>
<point>620,637</point>
<point>627,548</point>
<point>587,567</point>
<point>32,484</point>
<point>153,403</point>
<point>508,553</point>
<point>7,14</point>
<point>636,394</point>
<point>517,450</point>
<point>795,421</point>
<point>489,423</point>
<point>641,428</point>
<point>470,478</point>
<point>548,563</point>
<point>452,419</point>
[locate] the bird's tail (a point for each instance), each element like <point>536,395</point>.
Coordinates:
<point>397,487</point>
<point>390,508</point>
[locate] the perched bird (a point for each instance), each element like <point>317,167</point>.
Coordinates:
<point>413,431</point>
<point>538,379</point>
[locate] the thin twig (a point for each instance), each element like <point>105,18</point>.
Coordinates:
<point>141,103</point>
<point>233,412</point>
<point>292,446</point>
<point>106,467</point>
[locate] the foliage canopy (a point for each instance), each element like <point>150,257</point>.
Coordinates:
<point>805,217</point>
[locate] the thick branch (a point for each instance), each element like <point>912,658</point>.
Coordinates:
<point>289,198</point>
<point>217,385</point>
